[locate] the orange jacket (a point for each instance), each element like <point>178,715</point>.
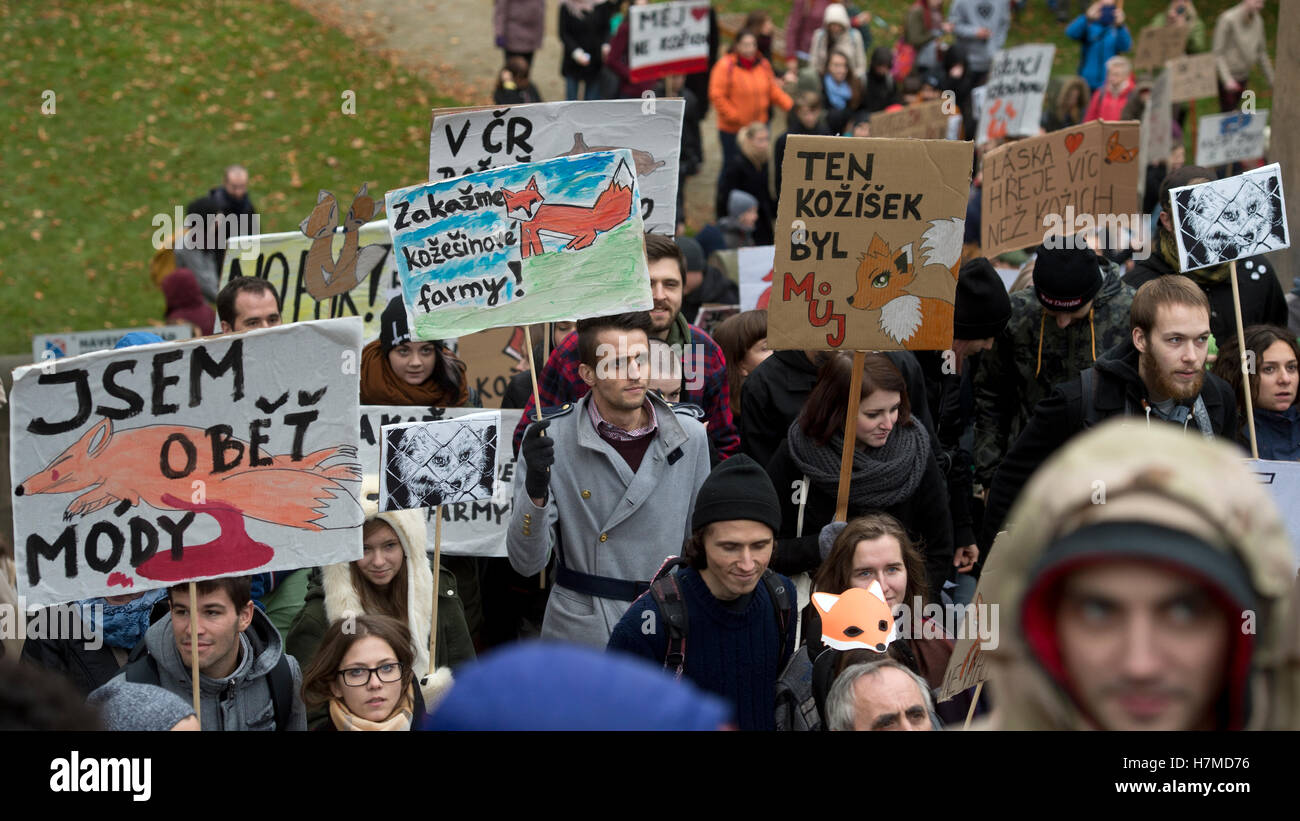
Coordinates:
<point>744,95</point>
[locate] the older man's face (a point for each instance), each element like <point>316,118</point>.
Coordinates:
<point>889,700</point>
<point>237,184</point>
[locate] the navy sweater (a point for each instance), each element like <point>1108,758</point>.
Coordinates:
<point>735,655</point>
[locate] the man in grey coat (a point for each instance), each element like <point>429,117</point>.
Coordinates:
<point>239,652</point>
<point>609,483</point>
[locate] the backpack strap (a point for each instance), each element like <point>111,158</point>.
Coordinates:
<point>781,603</point>
<point>280,681</point>
<point>142,669</point>
<point>667,595</point>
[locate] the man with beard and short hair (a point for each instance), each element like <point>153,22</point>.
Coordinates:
<point>703,366</point>
<point>1158,374</point>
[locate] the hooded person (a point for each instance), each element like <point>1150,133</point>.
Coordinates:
<point>124,706</point>
<point>705,284</point>
<point>1262,300</point>
<point>185,302</point>
<point>387,581</point>
<point>1168,607</point>
<point>398,369</point>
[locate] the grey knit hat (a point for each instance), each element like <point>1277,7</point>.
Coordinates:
<point>124,705</point>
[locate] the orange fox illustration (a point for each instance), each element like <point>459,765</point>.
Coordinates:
<point>1118,153</point>
<point>160,464</point>
<point>886,279</point>
<point>857,619</point>
<point>580,223</point>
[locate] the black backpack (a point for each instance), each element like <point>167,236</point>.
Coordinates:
<point>667,594</point>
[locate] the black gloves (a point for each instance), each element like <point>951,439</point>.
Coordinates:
<point>539,452</point>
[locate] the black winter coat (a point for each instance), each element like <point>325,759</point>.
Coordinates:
<point>86,669</point>
<point>744,175</point>
<point>588,32</point>
<point>1118,391</point>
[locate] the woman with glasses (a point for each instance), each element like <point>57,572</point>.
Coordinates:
<point>363,675</point>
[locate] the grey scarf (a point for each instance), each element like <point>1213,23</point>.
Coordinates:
<point>882,477</point>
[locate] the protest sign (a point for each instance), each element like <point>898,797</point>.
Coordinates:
<point>667,38</point>
<point>1229,219</point>
<point>540,242</point>
<point>1013,98</point>
<point>468,528</point>
<point>1059,183</point>
<point>427,464</point>
<point>463,141</point>
<point>1156,140</point>
<point>327,274</point>
<point>1158,44</point>
<point>495,355</point>
<point>968,664</point>
<point>158,464</point>
<point>1231,137</point>
<point>755,267</point>
<point>282,260</point>
<point>1192,78</point>
<point>1283,482</point>
<point>867,249</point>
<point>923,121</point>
<point>75,343</point>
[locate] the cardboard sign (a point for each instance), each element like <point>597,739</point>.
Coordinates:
<point>1049,183</point>
<point>871,256</point>
<point>755,267</point>
<point>1156,141</point>
<point>1283,482</point>
<point>494,356</point>
<point>1230,219</point>
<point>968,665</point>
<point>1158,44</point>
<point>668,38</point>
<point>1013,101</point>
<point>159,464</point>
<point>283,258</point>
<point>539,242</point>
<point>328,274</point>
<point>463,141</point>
<point>427,464</point>
<point>1231,137</point>
<point>1192,78</point>
<point>924,121</point>
<point>468,528</point>
<point>75,343</point>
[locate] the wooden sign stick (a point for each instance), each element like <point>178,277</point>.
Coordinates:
<point>975,700</point>
<point>194,651</point>
<point>850,436</point>
<point>537,412</point>
<point>437,575</point>
<point>1245,372</point>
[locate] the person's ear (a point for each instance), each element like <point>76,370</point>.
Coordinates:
<point>1139,340</point>
<point>336,689</point>
<point>1166,220</point>
<point>225,327</point>
<point>246,616</point>
<point>587,374</point>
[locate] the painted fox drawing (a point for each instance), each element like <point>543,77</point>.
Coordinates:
<point>323,275</point>
<point>856,619</point>
<point>123,469</point>
<point>885,279</point>
<point>579,223</point>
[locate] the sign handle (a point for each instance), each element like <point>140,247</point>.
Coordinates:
<point>437,576</point>
<point>850,436</point>
<point>976,700</point>
<point>1245,372</point>
<point>537,412</point>
<point>194,651</point>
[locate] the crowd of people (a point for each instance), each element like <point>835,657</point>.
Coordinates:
<point>1123,615</point>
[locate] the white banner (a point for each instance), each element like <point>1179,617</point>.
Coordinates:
<point>1231,137</point>
<point>1013,96</point>
<point>75,343</point>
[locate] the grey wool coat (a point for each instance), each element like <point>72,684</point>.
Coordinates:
<point>611,522</point>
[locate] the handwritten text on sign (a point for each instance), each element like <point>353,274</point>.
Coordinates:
<point>668,38</point>
<point>1013,103</point>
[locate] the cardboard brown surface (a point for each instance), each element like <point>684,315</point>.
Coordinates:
<point>1155,46</point>
<point>1091,169</point>
<point>868,240</point>
<point>491,357</point>
<point>926,121</point>
<point>1192,78</point>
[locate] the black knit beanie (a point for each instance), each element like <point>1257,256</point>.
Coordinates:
<point>1066,278</point>
<point>737,489</point>
<point>983,305</point>
<point>393,330</point>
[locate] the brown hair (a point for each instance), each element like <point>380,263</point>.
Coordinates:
<point>1170,289</point>
<point>735,336</point>
<point>1062,108</point>
<point>836,573</point>
<point>658,247</point>
<point>1259,338</point>
<point>589,328</point>
<point>388,601</point>
<point>338,639</point>
<point>240,285</point>
<point>238,588</point>
<point>823,414</point>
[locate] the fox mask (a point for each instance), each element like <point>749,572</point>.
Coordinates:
<point>856,619</point>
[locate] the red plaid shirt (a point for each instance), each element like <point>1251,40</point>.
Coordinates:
<point>559,383</point>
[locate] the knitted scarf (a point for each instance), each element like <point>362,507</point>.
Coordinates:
<point>837,94</point>
<point>882,477</point>
<point>400,720</point>
<point>124,624</point>
<point>1168,248</point>
<point>380,385</point>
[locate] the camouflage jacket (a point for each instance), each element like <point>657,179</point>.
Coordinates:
<point>1010,381</point>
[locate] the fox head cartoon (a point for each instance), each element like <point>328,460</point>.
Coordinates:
<point>323,219</point>
<point>856,619</point>
<point>882,274</point>
<point>72,470</point>
<point>522,205</point>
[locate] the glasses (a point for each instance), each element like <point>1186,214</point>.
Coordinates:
<point>360,676</point>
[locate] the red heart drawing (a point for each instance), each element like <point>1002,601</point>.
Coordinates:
<point>699,12</point>
<point>1073,141</point>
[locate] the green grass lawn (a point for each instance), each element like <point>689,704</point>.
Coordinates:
<point>152,101</point>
